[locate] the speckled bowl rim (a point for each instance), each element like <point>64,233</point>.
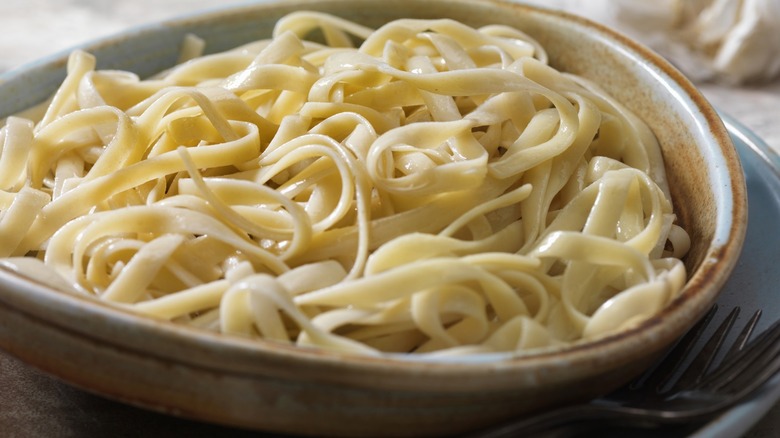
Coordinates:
<point>698,294</point>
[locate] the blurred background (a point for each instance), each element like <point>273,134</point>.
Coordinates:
<point>729,48</point>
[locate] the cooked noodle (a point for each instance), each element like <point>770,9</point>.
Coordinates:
<point>437,188</point>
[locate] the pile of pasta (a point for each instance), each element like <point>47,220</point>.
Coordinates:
<point>425,187</point>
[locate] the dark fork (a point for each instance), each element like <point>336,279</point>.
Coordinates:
<point>667,395</point>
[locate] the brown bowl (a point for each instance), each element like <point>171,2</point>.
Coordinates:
<point>259,385</point>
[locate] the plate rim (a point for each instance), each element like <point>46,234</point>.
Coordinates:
<point>739,419</point>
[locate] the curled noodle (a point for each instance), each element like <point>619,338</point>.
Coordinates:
<point>434,189</point>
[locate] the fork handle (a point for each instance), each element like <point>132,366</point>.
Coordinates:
<point>556,422</point>
<point>563,421</point>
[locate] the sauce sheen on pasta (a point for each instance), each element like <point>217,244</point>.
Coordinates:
<point>424,187</point>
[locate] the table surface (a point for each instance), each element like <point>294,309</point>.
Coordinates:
<point>33,404</point>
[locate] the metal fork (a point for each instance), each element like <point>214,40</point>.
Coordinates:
<point>666,395</point>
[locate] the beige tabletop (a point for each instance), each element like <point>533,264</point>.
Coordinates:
<point>33,404</point>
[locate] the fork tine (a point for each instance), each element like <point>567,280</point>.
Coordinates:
<point>658,377</point>
<point>752,366</point>
<point>744,335</point>
<point>747,382</point>
<point>757,355</point>
<point>702,361</point>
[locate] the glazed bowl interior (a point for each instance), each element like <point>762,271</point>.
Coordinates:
<point>270,386</point>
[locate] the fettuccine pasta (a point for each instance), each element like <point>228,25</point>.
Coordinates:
<point>432,188</point>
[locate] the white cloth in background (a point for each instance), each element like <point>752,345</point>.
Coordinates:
<point>734,41</point>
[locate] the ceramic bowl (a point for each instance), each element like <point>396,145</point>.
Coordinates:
<point>279,388</point>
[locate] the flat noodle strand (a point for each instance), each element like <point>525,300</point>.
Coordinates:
<point>425,187</point>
